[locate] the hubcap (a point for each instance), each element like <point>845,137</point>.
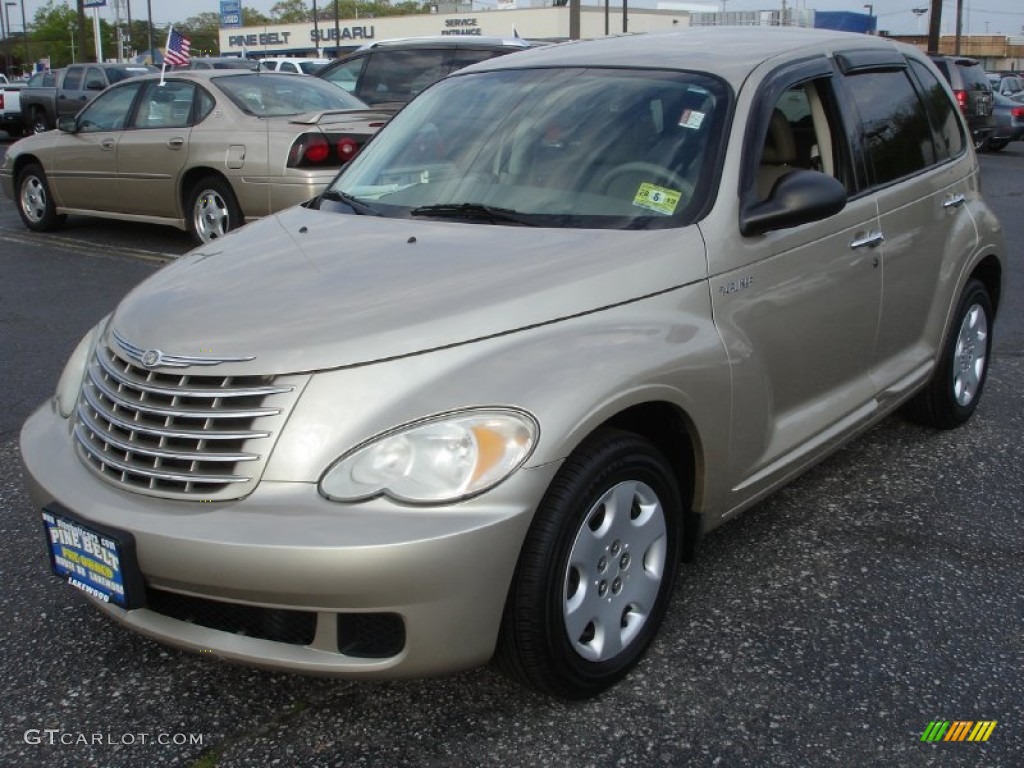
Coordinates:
<point>211,216</point>
<point>969,356</point>
<point>615,570</point>
<point>33,199</point>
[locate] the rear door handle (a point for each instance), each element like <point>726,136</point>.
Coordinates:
<point>870,240</point>
<point>176,143</point>
<point>955,201</point>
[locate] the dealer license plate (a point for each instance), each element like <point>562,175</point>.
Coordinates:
<point>87,559</point>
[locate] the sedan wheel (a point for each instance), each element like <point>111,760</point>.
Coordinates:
<point>596,569</point>
<point>35,204</point>
<point>213,210</point>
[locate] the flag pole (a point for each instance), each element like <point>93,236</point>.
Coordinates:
<point>163,64</point>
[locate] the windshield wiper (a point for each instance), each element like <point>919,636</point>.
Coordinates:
<point>357,205</point>
<point>475,211</point>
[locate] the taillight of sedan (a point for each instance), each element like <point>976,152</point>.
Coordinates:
<point>323,150</point>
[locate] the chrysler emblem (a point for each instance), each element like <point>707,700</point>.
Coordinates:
<point>151,358</point>
<point>154,358</point>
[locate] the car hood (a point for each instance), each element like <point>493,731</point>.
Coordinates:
<point>307,290</point>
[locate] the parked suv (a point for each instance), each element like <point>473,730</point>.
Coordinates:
<point>393,71</point>
<point>973,93</point>
<point>567,311</point>
<point>1010,86</point>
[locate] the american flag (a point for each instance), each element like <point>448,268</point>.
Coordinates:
<point>178,47</point>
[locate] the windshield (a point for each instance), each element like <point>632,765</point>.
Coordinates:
<point>266,94</point>
<point>567,147</point>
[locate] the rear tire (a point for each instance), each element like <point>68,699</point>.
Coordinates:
<point>951,396</point>
<point>996,145</point>
<point>212,209</point>
<point>35,203</point>
<point>39,122</point>
<point>596,570</point>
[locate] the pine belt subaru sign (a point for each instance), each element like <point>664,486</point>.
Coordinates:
<point>230,13</point>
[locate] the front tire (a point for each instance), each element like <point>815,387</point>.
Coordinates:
<point>596,570</point>
<point>953,393</point>
<point>35,203</point>
<point>212,209</point>
<point>996,145</point>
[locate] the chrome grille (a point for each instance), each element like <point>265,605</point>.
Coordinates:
<point>199,437</point>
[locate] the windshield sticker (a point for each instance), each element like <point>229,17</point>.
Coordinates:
<point>657,199</point>
<point>691,119</point>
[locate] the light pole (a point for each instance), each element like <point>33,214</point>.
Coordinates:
<point>71,32</point>
<point>7,15</point>
<point>7,44</point>
<point>24,34</point>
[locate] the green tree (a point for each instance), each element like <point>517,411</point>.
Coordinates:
<point>50,34</point>
<point>290,12</point>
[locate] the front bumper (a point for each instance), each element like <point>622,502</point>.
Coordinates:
<point>444,571</point>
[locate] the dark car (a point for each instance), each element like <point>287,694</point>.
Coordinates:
<point>219,62</point>
<point>973,93</point>
<point>393,71</point>
<point>1009,116</point>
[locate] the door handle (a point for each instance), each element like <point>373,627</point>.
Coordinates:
<point>176,143</point>
<point>955,201</point>
<point>108,144</point>
<point>870,240</point>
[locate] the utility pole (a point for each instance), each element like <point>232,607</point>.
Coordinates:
<point>24,34</point>
<point>80,32</point>
<point>959,26</point>
<point>935,26</point>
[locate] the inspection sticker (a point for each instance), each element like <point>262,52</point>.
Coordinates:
<point>691,119</point>
<point>655,198</point>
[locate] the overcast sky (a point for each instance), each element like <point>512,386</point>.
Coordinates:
<point>897,16</point>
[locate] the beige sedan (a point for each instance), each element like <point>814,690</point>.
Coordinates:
<point>203,151</point>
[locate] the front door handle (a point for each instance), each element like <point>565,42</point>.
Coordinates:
<point>108,144</point>
<point>870,240</point>
<point>955,201</point>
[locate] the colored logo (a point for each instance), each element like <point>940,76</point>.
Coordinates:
<point>958,730</point>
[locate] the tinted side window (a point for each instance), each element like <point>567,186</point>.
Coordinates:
<point>896,131</point>
<point>944,114</point>
<point>346,75</point>
<point>73,80</point>
<point>400,75</point>
<point>94,80</point>
<point>463,58</point>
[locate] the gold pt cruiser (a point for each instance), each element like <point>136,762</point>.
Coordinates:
<point>569,310</point>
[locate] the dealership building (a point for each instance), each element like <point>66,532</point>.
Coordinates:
<point>510,19</point>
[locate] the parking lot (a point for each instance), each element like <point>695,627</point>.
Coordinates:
<point>828,626</point>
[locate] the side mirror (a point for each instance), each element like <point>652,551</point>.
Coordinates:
<point>799,197</point>
<point>95,85</point>
<point>67,125</point>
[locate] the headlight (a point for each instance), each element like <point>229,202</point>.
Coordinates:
<point>70,381</point>
<point>442,459</point>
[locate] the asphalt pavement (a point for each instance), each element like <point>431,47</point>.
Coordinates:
<point>829,626</point>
